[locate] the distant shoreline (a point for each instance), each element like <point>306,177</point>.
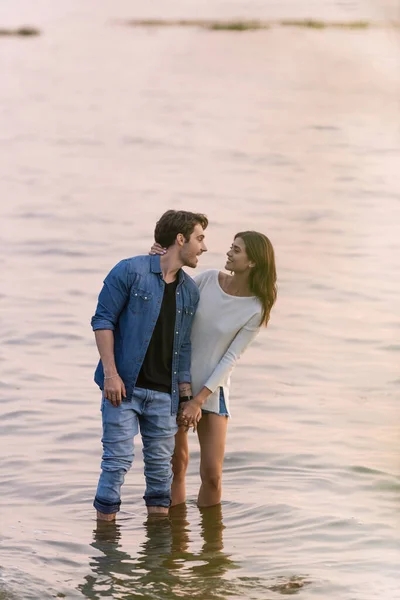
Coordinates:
<point>254,25</point>
<point>232,25</point>
<point>20,32</point>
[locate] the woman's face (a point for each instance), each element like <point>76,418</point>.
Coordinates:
<point>238,261</point>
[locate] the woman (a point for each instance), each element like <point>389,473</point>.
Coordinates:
<point>231,311</point>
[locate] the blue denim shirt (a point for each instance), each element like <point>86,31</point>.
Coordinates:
<point>129,304</point>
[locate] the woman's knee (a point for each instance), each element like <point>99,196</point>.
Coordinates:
<point>211,477</point>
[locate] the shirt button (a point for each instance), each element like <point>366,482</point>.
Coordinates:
<point>174,372</point>
<point>179,311</point>
<point>173,391</point>
<point>176,332</point>
<point>177,293</point>
<point>135,294</point>
<point>145,297</point>
<point>176,353</point>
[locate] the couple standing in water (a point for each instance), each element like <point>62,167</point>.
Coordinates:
<point>167,345</point>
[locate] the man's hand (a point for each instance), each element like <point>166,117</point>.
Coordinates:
<point>190,414</point>
<point>114,389</point>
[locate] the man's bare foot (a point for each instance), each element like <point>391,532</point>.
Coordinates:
<point>157,511</point>
<point>103,517</point>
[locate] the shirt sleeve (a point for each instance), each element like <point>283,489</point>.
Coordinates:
<point>112,298</point>
<point>185,354</point>
<point>241,341</point>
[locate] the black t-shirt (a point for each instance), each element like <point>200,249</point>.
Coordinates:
<point>156,371</point>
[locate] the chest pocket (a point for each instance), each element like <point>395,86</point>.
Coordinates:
<point>140,300</point>
<point>188,313</point>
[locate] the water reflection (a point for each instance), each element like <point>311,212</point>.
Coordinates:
<point>164,567</point>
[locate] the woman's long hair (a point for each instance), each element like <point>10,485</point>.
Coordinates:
<point>262,277</point>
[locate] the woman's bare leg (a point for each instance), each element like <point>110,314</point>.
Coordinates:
<point>212,435</point>
<point>180,461</point>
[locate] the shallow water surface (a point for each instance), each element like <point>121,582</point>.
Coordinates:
<point>290,131</point>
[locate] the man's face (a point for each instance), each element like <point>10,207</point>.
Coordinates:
<point>192,249</point>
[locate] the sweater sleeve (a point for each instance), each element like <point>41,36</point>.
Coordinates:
<point>240,342</point>
<point>201,278</point>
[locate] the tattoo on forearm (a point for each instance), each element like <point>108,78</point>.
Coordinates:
<point>185,389</point>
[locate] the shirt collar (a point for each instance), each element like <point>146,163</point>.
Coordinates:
<point>155,267</point>
<point>155,263</point>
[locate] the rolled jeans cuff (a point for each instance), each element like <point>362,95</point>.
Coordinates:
<point>106,507</point>
<point>163,500</point>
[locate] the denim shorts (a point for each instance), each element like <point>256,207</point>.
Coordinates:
<point>223,411</point>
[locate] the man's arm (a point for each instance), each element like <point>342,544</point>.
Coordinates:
<point>184,418</point>
<point>185,354</point>
<point>190,411</point>
<point>185,390</point>
<point>114,387</point>
<point>112,299</point>
<point>184,378</point>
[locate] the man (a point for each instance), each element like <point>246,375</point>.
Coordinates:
<point>142,326</point>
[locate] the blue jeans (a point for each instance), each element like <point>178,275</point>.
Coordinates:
<point>151,412</point>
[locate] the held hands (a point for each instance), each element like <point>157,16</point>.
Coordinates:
<point>189,414</point>
<point>157,249</point>
<point>114,389</point>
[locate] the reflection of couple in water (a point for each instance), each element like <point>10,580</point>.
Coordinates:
<point>168,344</point>
<point>163,567</point>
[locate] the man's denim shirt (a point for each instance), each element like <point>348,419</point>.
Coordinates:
<point>129,305</point>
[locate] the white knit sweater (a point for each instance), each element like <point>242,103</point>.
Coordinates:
<point>223,327</point>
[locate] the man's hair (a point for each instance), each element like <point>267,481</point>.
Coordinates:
<point>173,222</point>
